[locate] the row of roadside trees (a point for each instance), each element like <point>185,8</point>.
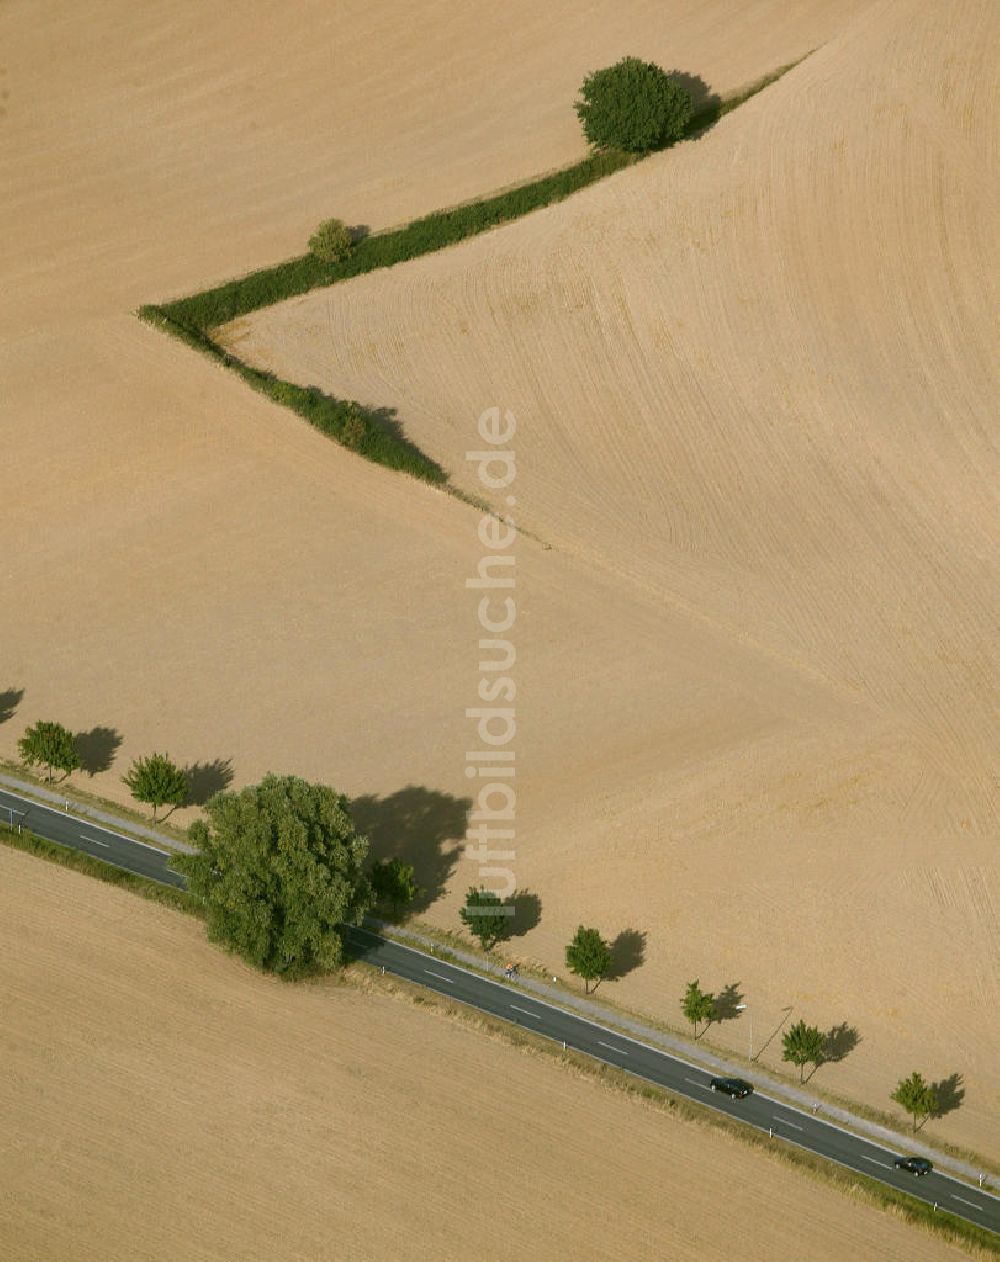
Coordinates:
<point>802,1044</point>
<point>280,872</point>
<point>488,918</point>
<point>155,780</point>
<point>589,956</point>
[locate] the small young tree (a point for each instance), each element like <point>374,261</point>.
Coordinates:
<point>803,1045</point>
<point>280,872</point>
<point>917,1097</point>
<point>633,105</point>
<point>393,882</point>
<point>332,241</point>
<point>51,746</point>
<point>157,781</point>
<point>485,916</point>
<point>589,956</point>
<point>697,1006</point>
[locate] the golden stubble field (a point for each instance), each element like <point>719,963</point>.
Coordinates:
<point>184,562</point>
<point>192,566</point>
<point>756,385</point>
<point>161,1101</point>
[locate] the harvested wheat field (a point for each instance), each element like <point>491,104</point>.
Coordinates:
<point>162,1101</point>
<point>755,383</point>
<point>189,565</point>
<point>184,562</point>
<point>755,638</point>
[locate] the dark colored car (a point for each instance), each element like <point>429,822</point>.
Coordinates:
<point>736,1087</point>
<point>915,1165</point>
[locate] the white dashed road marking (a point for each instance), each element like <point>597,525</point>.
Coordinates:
<point>441,976</point>
<point>94,842</point>
<point>535,1015</point>
<point>971,1204</point>
<point>884,1164</point>
<point>612,1048</point>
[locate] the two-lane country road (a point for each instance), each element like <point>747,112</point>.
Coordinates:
<point>93,839</point>
<point>645,1061</point>
<point>510,1003</point>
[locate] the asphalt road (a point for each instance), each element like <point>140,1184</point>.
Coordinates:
<point>509,1003</point>
<point>93,839</point>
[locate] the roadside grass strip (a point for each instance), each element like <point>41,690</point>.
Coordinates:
<point>109,873</point>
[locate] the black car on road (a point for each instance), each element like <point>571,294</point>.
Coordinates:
<point>915,1165</point>
<point>736,1087</point>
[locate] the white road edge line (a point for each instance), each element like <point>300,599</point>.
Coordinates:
<point>884,1164</point>
<point>785,1122</point>
<point>449,980</point>
<point>971,1204</point>
<point>534,1015</point>
<point>669,1055</point>
<point>612,1048</point>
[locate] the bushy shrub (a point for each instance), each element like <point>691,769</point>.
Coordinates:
<point>633,105</point>
<point>354,430</point>
<point>332,241</point>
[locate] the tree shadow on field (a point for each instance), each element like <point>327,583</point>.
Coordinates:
<point>417,826</point>
<point>950,1094</point>
<point>727,1003</point>
<point>97,748</point>
<point>707,105</point>
<point>377,420</point>
<point>527,913</point>
<point>387,420</point>
<point>10,699</point>
<point>841,1040</point>
<point>628,951</point>
<point>206,779</point>
<point>702,97</point>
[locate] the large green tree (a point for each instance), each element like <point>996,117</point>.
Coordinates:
<point>51,746</point>
<point>158,781</point>
<point>917,1097</point>
<point>633,105</point>
<point>280,872</point>
<point>486,916</point>
<point>803,1045</point>
<point>697,1005</point>
<point>589,956</point>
